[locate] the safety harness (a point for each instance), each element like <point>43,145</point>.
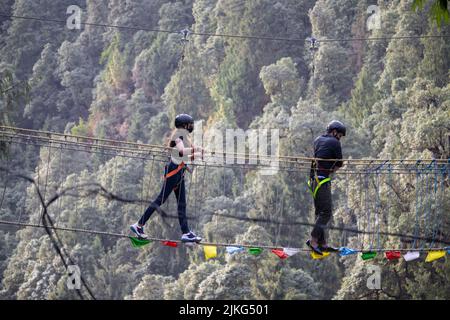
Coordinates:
<point>182,165</point>
<point>175,171</point>
<point>319,183</point>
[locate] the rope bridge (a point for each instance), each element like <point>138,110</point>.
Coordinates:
<point>364,167</point>
<point>431,175</point>
<point>211,159</point>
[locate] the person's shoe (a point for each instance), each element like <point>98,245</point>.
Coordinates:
<point>139,231</point>
<point>190,237</point>
<point>315,249</point>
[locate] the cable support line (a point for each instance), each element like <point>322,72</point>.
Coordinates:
<point>43,19</point>
<point>218,244</point>
<point>93,139</point>
<point>246,166</point>
<point>248,156</point>
<point>87,141</point>
<point>231,166</point>
<point>140,147</point>
<point>236,36</point>
<point>5,181</point>
<point>278,165</point>
<point>383,38</point>
<point>80,147</point>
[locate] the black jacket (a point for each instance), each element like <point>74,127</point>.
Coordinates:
<point>326,147</point>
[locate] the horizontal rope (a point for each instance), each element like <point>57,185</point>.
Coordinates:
<point>295,167</point>
<point>164,159</point>
<point>142,148</point>
<point>121,235</point>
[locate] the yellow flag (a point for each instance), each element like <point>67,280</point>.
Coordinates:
<point>434,255</point>
<point>316,256</point>
<point>210,252</point>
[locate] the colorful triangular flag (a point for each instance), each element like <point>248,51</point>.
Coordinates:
<point>291,251</point>
<point>411,255</point>
<point>344,251</point>
<point>393,255</point>
<point>136,242</point>
<point>210,252</point>
<point>254,251</point>
<point>434,255</point>
<point>233,250</point>
<point>280,253</point>
<point>368,255</point>
<point>170,244</point>
<point>316,256</point>
<point>285,252</point>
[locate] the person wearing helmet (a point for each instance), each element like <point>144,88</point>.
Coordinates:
<point>327,146</point>
<point>182,151</point>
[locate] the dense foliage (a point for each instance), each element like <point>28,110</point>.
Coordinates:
<point>127,84</point>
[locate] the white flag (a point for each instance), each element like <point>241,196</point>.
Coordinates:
<point>291,251</point>
<point>411,255</point>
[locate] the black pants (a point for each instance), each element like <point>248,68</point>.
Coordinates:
<point>324,207</point>
<point>176,184</point>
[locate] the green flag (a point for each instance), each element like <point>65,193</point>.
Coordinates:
<point>136,242</point>
<point>254,251</point>
<point>368,255</point>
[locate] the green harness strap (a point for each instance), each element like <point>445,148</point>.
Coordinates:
<point>319,184</point>
<point>315,165</point>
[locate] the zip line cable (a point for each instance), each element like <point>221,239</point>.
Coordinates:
<point>237,36</point>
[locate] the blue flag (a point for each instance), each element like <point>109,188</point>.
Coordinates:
<point>344,251</point>
<point>232,250</point>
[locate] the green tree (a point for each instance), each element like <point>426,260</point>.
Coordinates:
<point>42,111</point>
<point>438,11</point>
<point>13,94</point>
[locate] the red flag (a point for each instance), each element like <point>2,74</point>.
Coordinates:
<point>280,253</point>
<point>170,243</point>
<point>392,255</point>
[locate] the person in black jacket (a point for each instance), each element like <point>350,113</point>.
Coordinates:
<point>326,146</point>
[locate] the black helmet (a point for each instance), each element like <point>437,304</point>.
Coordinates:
<point>335,124</point>
<point>183,120</point>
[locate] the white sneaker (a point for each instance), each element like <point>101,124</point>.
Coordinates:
<point>190,237</point>
<point>139,231</point>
